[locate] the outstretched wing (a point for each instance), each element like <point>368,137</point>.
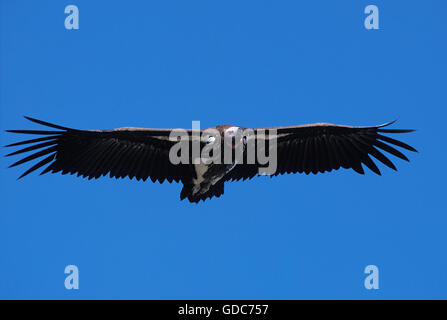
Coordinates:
<point>323,147</point>
<point>124,152</point>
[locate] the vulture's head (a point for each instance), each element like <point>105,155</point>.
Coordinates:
<point>234,137</point>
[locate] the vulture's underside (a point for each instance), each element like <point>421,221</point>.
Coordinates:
<point>144,153</point>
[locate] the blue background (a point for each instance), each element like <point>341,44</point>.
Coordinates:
<point>163,64</point>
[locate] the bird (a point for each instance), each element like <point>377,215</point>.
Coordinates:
<point>145,153</point>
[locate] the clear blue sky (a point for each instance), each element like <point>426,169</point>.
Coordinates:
<point>252,63</point>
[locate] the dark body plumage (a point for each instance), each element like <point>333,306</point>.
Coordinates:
<point>144,154</point>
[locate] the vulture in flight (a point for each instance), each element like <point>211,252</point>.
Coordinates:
<point>143,153</point>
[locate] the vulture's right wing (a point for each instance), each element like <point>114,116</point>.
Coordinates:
<point>124,152</point>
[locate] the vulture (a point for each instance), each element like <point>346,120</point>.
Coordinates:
<point>144,153</point>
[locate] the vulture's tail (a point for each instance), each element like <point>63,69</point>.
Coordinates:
<point>214,191</point>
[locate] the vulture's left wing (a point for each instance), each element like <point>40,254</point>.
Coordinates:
<point>124,152</point>
<point>323,147</point>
